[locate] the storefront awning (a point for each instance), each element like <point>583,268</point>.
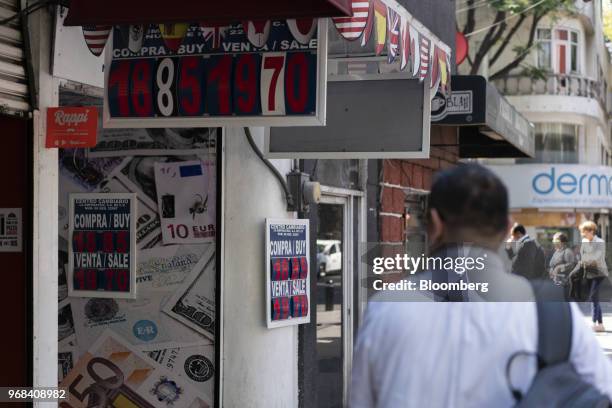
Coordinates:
<point>110,12</point>
<point>490,127</point>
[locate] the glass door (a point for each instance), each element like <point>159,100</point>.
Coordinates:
<point>333,304</point>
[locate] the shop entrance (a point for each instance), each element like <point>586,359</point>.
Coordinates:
<point>336,239</point>
<point>15,254</point>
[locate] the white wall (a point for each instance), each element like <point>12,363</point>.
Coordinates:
<point>259,365</point>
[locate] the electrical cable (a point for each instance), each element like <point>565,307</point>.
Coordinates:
<point>274,170</point>
<point>504,20</point>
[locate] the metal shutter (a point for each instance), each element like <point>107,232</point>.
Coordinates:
<point>14,94</point>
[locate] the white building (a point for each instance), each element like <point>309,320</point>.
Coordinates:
<point>562,86</point>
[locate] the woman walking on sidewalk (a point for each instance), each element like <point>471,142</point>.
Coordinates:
<point>593,265</point>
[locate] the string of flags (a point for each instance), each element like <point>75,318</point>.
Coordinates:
<point>391,26</point>
<point>404,38</point>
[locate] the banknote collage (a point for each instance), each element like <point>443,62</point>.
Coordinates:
<point>156,350</point>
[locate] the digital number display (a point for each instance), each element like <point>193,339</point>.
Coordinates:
<point>265,84</point>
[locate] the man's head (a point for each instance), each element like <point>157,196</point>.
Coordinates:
<point>518,232</point>
<point>468,204</point>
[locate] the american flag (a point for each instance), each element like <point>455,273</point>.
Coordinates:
<point>96,37</point>
<point>393,26</point>
<point>214,34</point>
<point>352,27</point>
<point>425,46</point>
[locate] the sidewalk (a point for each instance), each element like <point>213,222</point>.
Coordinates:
<point>605,339</point>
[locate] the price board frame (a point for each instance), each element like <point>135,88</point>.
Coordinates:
<point>318,118</point>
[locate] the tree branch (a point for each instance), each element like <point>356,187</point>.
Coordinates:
<point>471,18</point>
<point>508,39</point>
<point>493,34</point>
<point>519,58</point>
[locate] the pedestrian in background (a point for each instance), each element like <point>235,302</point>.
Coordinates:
<point>445,354</point>
<point>562,261</point>
<point>593,268</point>
<point>526,254</point>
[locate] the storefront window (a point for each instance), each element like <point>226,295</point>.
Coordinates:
<point>139,280</point>
<point>555,143</point>
<point>563,49</point>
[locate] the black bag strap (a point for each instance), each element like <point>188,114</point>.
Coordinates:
<point>554,324</point>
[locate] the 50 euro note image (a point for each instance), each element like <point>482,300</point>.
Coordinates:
<point>113,374</point>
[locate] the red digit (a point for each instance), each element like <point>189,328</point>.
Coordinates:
<point>108,275</point>
<point>123,280</point>
<point>77,241</point>
<point>297,74</point>
<point>189,85</point>
<point>108,241</point>
<point>90,241</point>
<point>142,101</point>
<point>118,83</point>
<point>79,279</point>
<point>122,241</point>
<point>219,76</point>
<point>92,279</point>
<point>246,83</point>
<point>275,63</point>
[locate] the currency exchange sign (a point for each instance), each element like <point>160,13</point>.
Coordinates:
<point>101,258</point>
<point>287,280</point>
<point>270,74</point>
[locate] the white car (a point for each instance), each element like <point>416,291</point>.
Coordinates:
<point>329,256</point>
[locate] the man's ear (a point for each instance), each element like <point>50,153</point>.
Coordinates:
<point>435,227</point>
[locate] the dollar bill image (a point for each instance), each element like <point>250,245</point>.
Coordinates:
<point>154,142</point>
<point>193,304</point>
<point>148,226</point>
<point>165,268</point>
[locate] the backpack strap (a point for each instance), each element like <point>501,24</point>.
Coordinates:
<point>554,324</point>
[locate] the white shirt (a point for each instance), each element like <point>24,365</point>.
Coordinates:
<point>434,354</point>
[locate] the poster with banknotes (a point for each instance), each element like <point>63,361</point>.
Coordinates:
<point>193,304</point>
<point>148,231</point>
<point>139,321</point>
<point>165,268</point>
<point>186,201</point>
<point>114,374</point>
<point>193,362</point>
<point>154,142</point>
<point>102,245</point>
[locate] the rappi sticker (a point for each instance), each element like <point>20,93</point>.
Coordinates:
<point>72,127</point>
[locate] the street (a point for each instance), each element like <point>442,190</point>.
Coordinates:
<point>605,338</point>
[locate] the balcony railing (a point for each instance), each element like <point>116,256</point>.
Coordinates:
<point>554,84</point>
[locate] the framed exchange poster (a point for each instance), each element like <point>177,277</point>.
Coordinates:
<point>102,247</point>
<point>287,280</point>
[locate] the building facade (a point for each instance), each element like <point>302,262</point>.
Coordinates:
<point>562,87</point>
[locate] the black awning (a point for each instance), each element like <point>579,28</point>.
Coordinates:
<point>490,127</point>
<point>122,12</point>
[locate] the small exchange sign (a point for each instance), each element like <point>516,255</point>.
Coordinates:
<point>287,280</point>
<point>102,261</point>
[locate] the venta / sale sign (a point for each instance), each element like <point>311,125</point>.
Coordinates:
<point>287,281</point>
<point>102,248</point>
